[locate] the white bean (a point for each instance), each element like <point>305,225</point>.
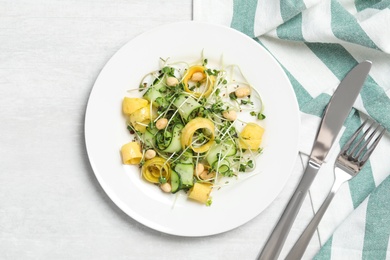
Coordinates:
<point>149,154</point>
<point>242,92</point>
<point>166,187</point>
<point>197,76</point>
<point>206,175</point>
<point>199,169</point>
<point>172,81</point>
<point>161,123</point>
<point>230,115</point>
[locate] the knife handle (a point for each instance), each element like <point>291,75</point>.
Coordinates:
<point>275,242</point>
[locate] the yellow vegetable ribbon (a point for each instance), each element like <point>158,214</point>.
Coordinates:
<point>208,84</point>
<point>130,105</point>
<point>155,168</point>
<point>200,192</point>
<point>140,118</point>
<point>131,153</point>
<point>251,136</point>
<point>189,130</point>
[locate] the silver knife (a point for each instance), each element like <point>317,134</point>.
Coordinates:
<point>333,119</point>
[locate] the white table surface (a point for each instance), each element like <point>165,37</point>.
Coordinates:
<point>51,205</point>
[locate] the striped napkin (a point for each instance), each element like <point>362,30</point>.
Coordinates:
<point>317,43</point>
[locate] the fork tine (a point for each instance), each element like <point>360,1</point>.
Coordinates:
<point>374,144</point>
<point>353,137</point>
<point>353,152</point>
<point>365,144</point>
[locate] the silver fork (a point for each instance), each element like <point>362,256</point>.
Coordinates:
<point>349,162</point>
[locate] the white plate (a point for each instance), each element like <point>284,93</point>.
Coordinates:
<point>105,130</point>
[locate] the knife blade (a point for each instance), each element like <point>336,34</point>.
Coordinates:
<point>333,119</point>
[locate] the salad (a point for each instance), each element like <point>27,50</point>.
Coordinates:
<point>188,127</point>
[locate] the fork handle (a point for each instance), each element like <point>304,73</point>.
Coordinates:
<point>300,246</point>
<point>275,242</point>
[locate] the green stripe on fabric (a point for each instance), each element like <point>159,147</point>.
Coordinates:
<point>382,5</point>
<point>291,30</point>
<point>317,105</point>
<point>289,8</point>
<point>330,54</point>
<point>346,27</point>
<point>364,4</point>
<point>374,4</point>
<point>376,102</point>
<point>291,11</point>
<point>301,93</point>
<point>377,230</point>
<point>326,251</point>
<point>361,185</point>
<point>244,12</point>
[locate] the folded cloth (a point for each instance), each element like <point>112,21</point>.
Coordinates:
<point>317,43</point>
